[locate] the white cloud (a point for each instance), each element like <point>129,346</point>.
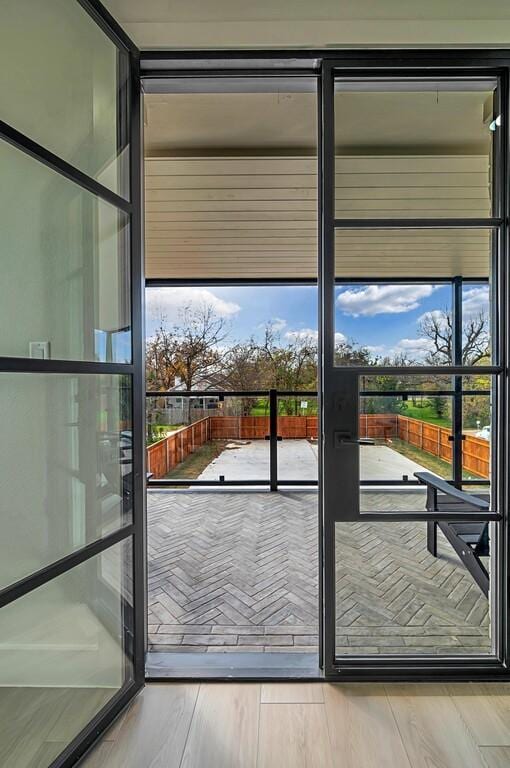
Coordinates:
<point>376,349</point>
<point>416,349</point>
<point>435,314</point>
<point>475,300</point>
<point>312,336</point>
<point>373,300</point>
<point>278,324</point>
<point>304,334</point>
<point>168,302</point>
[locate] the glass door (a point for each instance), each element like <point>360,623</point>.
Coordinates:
<point>71,451</point>
<point>412,300</point>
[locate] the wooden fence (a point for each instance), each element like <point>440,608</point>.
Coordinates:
<point>436,440</point>
<point>169,452</point>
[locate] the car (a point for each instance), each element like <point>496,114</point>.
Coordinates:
<point>484,433</point>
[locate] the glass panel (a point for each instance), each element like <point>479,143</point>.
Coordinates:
<point>65,653</point>
<point>476,324</point>
<point>65,86</point>
<point>298,429</point>
<point>208,438</point>
<point>414,150</point>
<point>477,419</point>
<point>400,381</point>
<point>410,435</point>
<point>65,465</point>
<point>64,291</point>
<point>394,296</point>
<point>413,433</point>
<point>231,181</point>
<point>394,597</point>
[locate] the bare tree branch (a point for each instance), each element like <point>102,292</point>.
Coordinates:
<point>437,328</point>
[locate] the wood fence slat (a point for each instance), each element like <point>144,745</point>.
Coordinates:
<point>172,450</point>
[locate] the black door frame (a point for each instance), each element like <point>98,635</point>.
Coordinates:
<point>338,383</point>
<point>147,66</point>
<point>134,612</point>
<point>156,67</point>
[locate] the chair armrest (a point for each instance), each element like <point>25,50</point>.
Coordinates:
<point>437,484</point>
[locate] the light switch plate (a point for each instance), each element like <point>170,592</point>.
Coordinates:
<point>39,349</point>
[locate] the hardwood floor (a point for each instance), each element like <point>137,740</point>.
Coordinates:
<point>310,725</point>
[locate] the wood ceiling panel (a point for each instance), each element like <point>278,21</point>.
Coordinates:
<point>256,217</point>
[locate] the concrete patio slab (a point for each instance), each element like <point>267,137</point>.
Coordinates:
<point>297,460</point>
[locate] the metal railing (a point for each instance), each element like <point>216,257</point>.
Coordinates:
<point>272,398</point>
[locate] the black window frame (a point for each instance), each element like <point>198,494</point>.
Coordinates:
<point>129,134</point>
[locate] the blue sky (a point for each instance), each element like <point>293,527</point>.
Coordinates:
<point>383,317</point>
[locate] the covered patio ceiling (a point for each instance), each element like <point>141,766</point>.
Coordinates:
<point>231,182</point>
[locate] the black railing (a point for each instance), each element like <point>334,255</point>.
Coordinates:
<point>272,397</point>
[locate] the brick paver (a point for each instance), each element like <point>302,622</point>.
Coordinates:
<point>234,571</point>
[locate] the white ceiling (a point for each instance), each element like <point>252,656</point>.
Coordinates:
<point>263,10</point>
<point>286,123</point>
<point>308,23</point>
<point>230,122</point>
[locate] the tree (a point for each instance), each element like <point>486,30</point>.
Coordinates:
<point>160,352</point>
<point>476,409</point>
<point>190,351</point>
<point>289,367</point>
<point>241,371</point>
<point>348,353</point>
<point>437,328</point>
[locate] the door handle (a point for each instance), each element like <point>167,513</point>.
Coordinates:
<point>358,441</point>
<point>341,438</point>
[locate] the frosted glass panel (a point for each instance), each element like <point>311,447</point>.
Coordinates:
<point>65,465</point>
<point>61,82</point>
<point>65,653</point>
<point>65,267</point>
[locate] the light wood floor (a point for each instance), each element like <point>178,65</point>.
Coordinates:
<point>310,725</point>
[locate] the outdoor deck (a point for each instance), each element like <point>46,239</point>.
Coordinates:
<point>237,571</point>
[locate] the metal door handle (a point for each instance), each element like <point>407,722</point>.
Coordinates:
<point>358,441</point>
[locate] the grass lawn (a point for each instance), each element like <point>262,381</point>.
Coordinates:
<point>427,460</point>
<point>262,408</point>
<point>194,464</point>
<point>425,413</point>
<point>161,430</point>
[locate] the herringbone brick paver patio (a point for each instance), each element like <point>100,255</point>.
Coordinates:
<point>234,571</point>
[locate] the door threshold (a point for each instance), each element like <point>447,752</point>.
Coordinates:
<point>161,665</point>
